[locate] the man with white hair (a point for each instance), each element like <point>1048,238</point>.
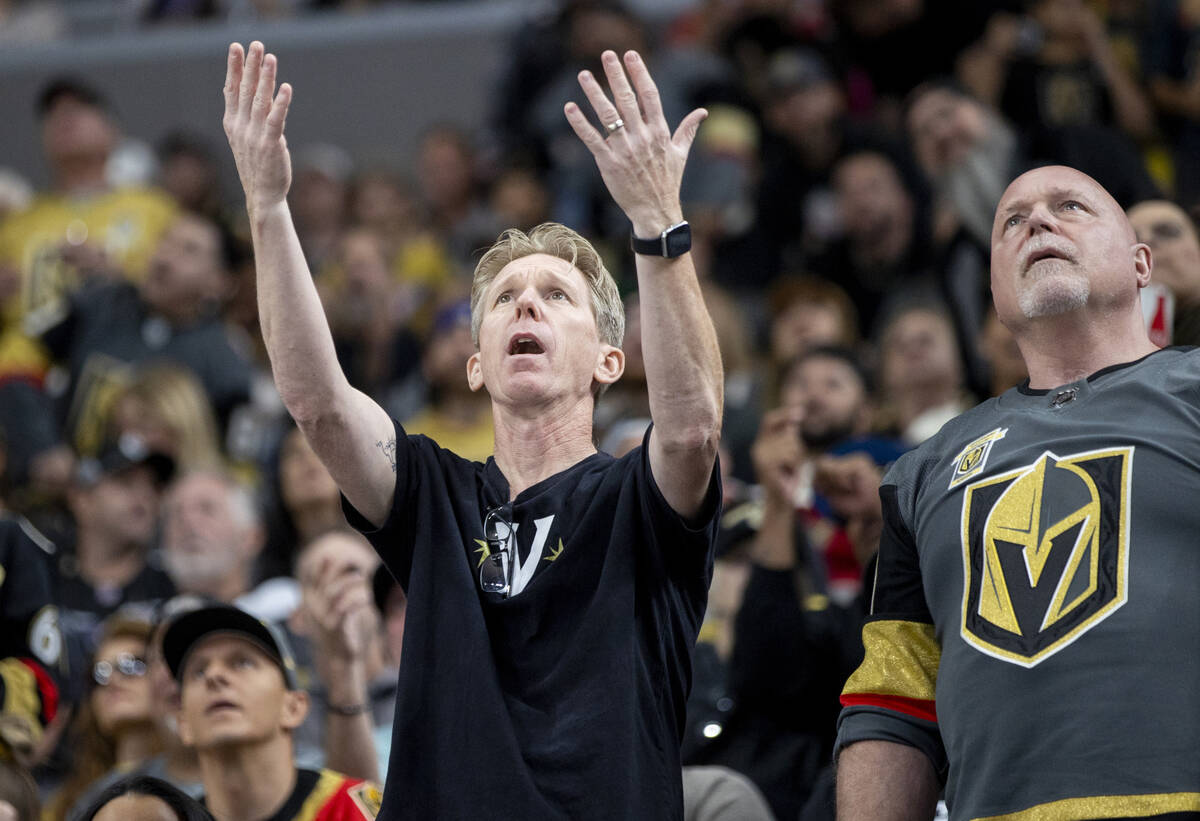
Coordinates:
<point>555,593</point>
<point>212,533</point>
<point>1038,561</point>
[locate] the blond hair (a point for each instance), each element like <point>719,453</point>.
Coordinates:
<point>555,240</point>
<point>174,395</point>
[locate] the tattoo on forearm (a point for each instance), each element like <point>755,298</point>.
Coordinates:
<point>389,450</point>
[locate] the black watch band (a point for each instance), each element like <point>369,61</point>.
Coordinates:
<point>673,242</point>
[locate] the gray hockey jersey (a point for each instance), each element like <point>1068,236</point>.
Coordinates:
<point>1035,620</point>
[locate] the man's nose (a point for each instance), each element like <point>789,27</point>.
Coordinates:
<point>1042,219</point>
<point>528,304</point>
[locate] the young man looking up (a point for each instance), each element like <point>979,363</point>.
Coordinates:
<point>239,705</point>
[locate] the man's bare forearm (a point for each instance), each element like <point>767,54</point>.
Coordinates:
<point>885,781</point>
<point>294,327</point>
<point>683,361</point>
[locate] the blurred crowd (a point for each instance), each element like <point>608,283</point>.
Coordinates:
<point>841,195</point>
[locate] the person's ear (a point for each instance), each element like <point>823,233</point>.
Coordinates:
<point>474,372</point>
<point>295,708</point>
<point>610,364</point>
<point>1143,262</point>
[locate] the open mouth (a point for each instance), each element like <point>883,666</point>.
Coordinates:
<point>1043,254</point>
<point>524,344</point>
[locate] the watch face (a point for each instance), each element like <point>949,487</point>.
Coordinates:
<point>679,241</point>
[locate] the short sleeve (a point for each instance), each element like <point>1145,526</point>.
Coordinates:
<point>394,540</point>
<point>892,695</point>
<point>683,542</point>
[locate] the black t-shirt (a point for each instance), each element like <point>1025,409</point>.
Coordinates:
<point>566,700</point>
<point>29,622</point>
<point>109,328</point>
<point>83,608</point>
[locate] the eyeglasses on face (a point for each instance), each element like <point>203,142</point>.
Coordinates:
<point>126,664</point>
<point>497,532</point>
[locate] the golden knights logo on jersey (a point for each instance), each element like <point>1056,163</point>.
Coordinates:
<point>1045,552</point>
<point>972,459</point>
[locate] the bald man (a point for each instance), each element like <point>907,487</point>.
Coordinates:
<point>1033,637</point>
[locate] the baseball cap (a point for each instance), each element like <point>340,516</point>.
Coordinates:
<point>126,451</point>
<point>189,628</point>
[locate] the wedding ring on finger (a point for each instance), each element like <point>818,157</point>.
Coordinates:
<point>614,126</point>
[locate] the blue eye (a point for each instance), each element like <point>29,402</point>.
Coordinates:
<point>557,295</point>
<point>1072,204</point>
<point>1012,222</point>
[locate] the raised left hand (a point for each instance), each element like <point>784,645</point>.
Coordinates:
<point>639,158</point>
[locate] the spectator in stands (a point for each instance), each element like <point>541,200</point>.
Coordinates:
<point>166,406</point>
<point>355,690</point>
<point>825,408</point>
<point>921,372</point>
<point>172,315</point>
<point>83,225</point>
<point>967,151</point>
<point>387,207</point>
<point>1054,67</point>
<point>188,172</point>
<point>804,109</point>
<point>721,194</point>
<point>1172,238</point>
<point>369,312</point>
<point>807,312</point>
<point>455,417</point>
<point>240,705</point>
<point>885,250</point>
<point>1170,63</point>
<point>798,616</point>
<point>212,534</point>
<point>114,501</point>
<point>114,728</point>
<point>33,660</point>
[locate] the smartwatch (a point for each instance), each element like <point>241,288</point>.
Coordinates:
<point>673,242</point>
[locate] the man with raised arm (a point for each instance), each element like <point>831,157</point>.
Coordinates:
<point>555,593</point>
<point>1034,624</point>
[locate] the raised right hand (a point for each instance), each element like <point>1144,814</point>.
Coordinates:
<point>254,121</point>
